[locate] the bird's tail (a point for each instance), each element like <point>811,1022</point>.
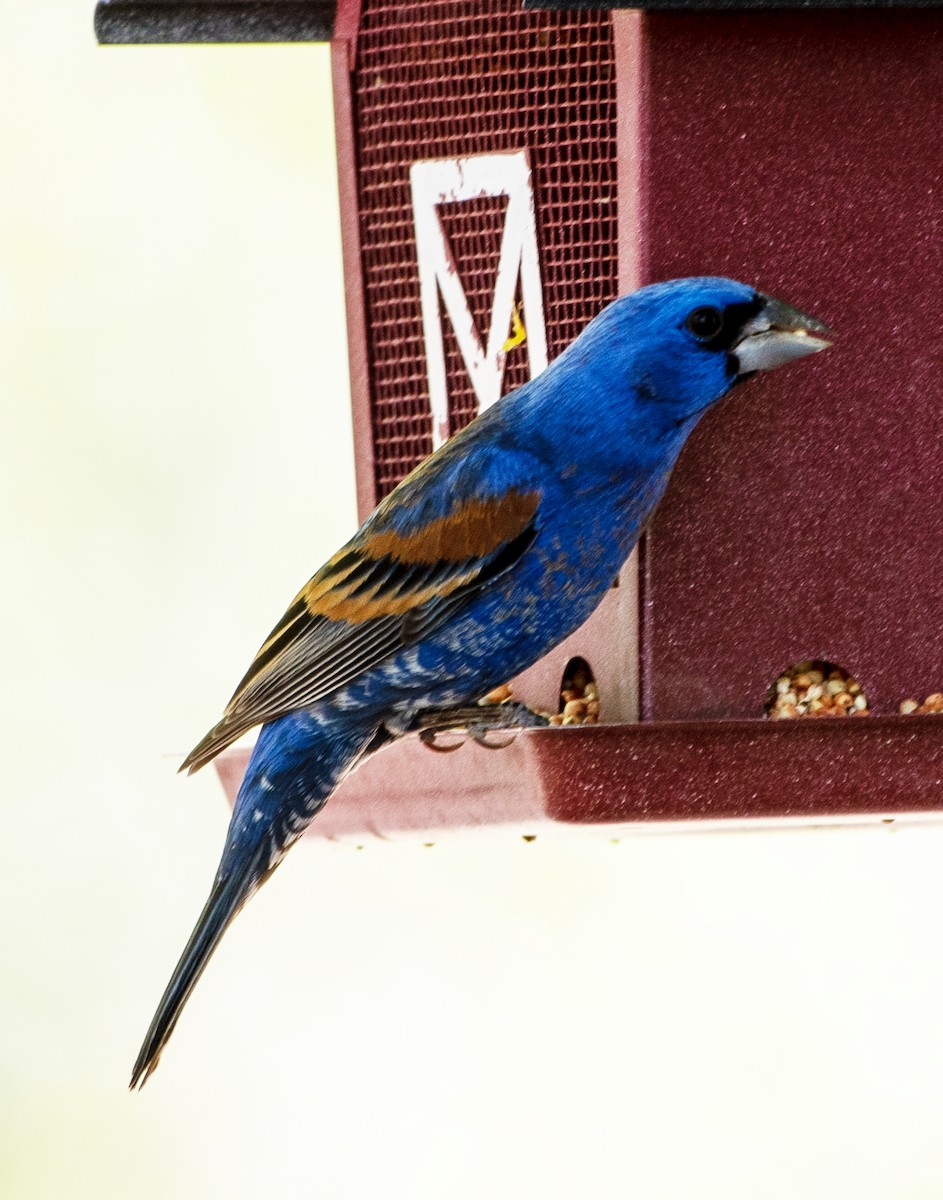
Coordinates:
<point>229,893</point>
<point>295,766</point>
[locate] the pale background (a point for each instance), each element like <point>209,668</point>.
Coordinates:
<point>733,1015</point>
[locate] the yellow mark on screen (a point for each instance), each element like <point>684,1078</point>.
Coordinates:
<point>518,332</point>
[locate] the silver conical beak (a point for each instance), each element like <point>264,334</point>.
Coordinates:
<point>778,334</point>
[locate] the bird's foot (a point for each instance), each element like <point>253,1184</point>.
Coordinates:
<point>477,720</point>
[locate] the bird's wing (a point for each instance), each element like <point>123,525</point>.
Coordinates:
<point>397,580</point>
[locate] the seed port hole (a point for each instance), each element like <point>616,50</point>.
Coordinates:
<point>815,687</point>
<point>579,695</point>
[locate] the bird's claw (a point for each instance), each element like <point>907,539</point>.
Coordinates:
<point>428,739</point>
<point>480,738</point>
<point>478,721</point>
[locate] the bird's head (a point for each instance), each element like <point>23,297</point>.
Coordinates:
<point>681,346</point>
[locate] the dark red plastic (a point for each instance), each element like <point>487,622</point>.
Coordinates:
<point>800,152</point>
<point>741,770</point>
<point>649,772</point>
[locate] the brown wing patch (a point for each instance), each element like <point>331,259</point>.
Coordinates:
<point>472,531</point>
<point>365,608</point>
<point>390,573</point>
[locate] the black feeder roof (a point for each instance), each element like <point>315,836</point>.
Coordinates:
<point>126,21</point>
<point>138,21</point>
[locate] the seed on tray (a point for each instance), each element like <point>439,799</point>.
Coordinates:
<point>816,689</point>
<point>579,695</point>
<point>914,708</point>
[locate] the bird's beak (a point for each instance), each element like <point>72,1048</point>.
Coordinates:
<point>778,334</point>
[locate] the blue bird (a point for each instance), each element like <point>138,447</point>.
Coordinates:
<point>490,553</point>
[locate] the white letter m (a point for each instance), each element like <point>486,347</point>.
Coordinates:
<point>451,181</point>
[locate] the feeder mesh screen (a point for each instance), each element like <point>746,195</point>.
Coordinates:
<point>445,80</point>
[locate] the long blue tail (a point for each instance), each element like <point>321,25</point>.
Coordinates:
<point>296,764</point>
<point>225,900</point>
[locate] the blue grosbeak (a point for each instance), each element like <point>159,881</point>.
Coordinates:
<point>491,552</point>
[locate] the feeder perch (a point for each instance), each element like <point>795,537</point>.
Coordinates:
<point>495,161</point>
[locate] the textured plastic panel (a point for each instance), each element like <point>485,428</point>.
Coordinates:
<point>802,152</point>
<point>817,771</point>
<point>445,80</point>
<point>740,770</point>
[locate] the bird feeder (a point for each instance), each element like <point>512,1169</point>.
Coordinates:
<point>504,174</point>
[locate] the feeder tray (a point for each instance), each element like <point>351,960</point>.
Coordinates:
<point>691,771</point>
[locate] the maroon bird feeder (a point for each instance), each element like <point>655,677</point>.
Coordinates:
<point>504,174</point>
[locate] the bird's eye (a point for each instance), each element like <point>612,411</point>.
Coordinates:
<point>705,323</point>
